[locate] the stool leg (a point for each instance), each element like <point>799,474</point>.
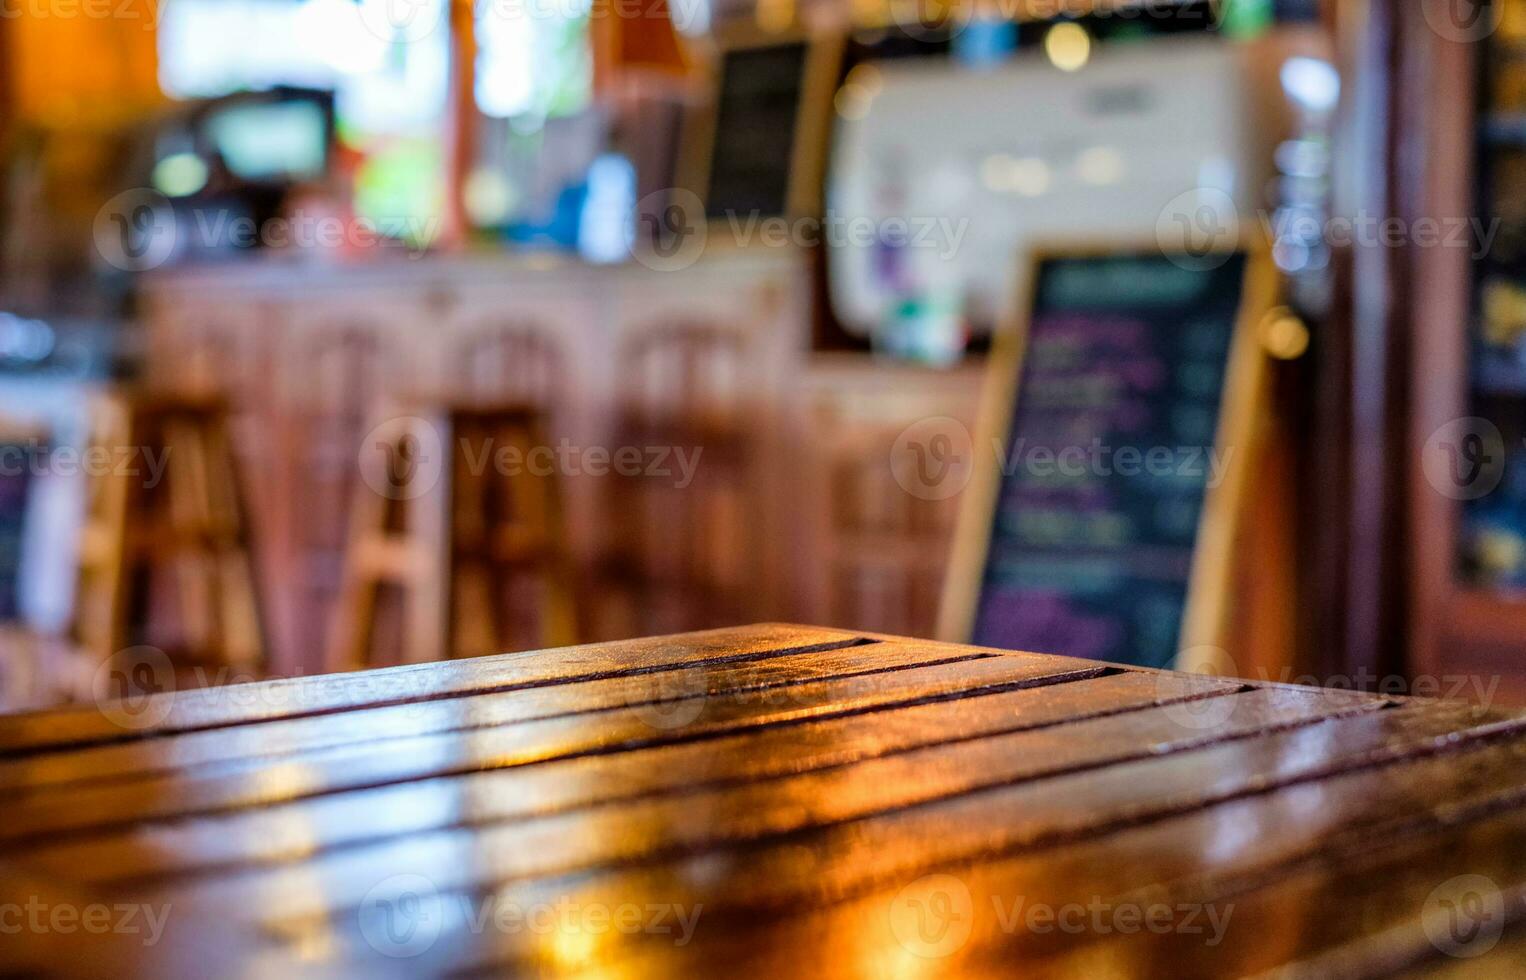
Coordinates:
<point>101,600</point>
<point>478,624</point>
<point>355,611</point>
<point>428,634</point>
<point>195,573</point>
<point>243,632</point>
<point>534,503</point>
<point>559,620</point>
<point>476,609</point>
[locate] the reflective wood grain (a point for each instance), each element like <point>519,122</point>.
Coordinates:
<point>775,801</point>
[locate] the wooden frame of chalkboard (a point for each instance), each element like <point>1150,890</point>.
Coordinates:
<point>1205,621</point>
<point>820,63</point>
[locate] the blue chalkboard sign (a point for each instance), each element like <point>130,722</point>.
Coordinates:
<point>15,486</point>
<point>1103,453</point>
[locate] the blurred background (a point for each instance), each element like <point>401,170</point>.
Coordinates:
<point>338,333</point>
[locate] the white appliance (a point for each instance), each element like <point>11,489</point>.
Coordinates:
<point>981,165</point>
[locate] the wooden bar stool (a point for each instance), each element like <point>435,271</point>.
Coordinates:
<point>166,494</point>
<point>455,506</point>
<point>876,538</point>
<point>684,557</point>
<point>336,374</point>
<point>515,360</point>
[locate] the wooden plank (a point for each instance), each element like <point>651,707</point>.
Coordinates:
<point>1396,819</point>
<point>802,799</point>
<point>797,874</point>
<point>1198,858</point>
<point>673,688</point>
<point>1361,915</point>
<point>1364,915</point>
<point>298,830</point>
<point>961,788</point>
<point>304,696</point>
<point>267,782</point>
<point>50,930</point>
<point>1506,960</point>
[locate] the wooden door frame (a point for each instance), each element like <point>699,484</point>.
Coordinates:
<point>1355,587</point>
<point>1454,630</point>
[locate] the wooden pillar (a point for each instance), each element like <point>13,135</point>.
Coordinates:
<point>460,131</point>
<point>7,79</point>
<point>1358,442</point>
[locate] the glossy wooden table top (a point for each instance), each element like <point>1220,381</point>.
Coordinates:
<point>763,801</point>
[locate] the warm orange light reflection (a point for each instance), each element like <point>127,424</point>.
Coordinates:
<point>572,947</point>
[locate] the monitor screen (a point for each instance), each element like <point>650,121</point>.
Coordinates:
<point>272,140</point>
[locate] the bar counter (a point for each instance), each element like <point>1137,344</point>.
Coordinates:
<point>313,358</point>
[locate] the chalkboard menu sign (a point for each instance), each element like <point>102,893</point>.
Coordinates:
<point>15,482</point>
<point>1107,446</point>
<point>760,148</point>
<point>758,103</point>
